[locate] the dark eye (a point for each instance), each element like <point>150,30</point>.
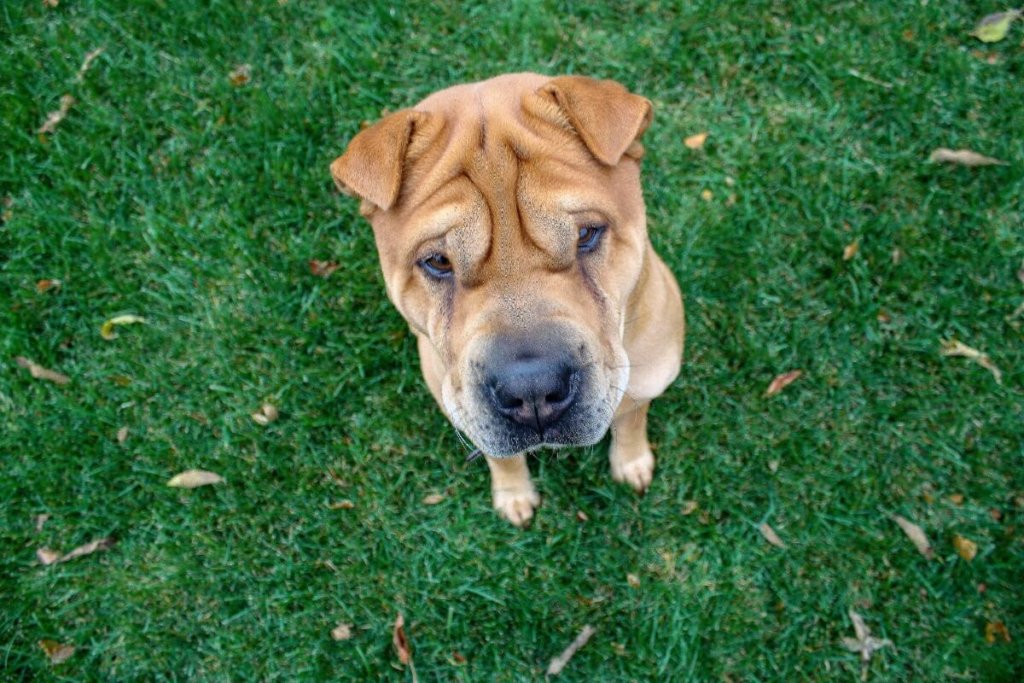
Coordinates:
<point>590,236</point>
<point>437,266</point>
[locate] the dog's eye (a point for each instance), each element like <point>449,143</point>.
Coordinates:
<point>437,266</point>
<point>590,236</point>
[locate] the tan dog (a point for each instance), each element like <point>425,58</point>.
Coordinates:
<point>512,235</point>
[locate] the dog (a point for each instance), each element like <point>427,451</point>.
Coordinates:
<point>512,235</point>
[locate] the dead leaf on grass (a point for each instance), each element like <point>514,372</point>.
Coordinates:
<point>90,57</point>
<point>707,195</point>
<point>122,434</point>
<point>964,157</point>
<point>581,516</point>
<point>46,285</point>
<point>770,535</point>
<point>916,535</point>
<point>956,498</point>
<point>782,381</point>
<point>56,652</point>
<point>433,499</point>
<point>41,520</point>
<point>696,141</point>
<point>559,662</point>
<point>89,548</point>
<point>190,479</point>
<point>965,547</point>
<point>952,347</point>
<point>690,506</point>
<point>850,250</point>
<point>265,415</point>
<point>39,372</point>
<point>341,632</point>
<point>47,556</point>
<point>633,580</point>
<point>996,630</point>
<point>51,3</point>
<point>240,75</point>
<point>401,643</point>
<point>322,268</point>
<point>341,505</point>
<point>54,118</point>
<point>865,643</point>
<point>994,27</point>
<point>107,329</point>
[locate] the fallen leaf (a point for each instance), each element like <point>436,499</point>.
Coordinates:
<point>401,642</point>
<point>265,415</point>
<point>51,3</point>
<point>689,507</point>
<point>458,657</point>
<point>996,514</point>
<point>865,643</point>
<point>707,195</point>
<point>39,372</point>
<point>965,547</point>
<point>54,118</point>
<point>773,466</point>
<point>770,535</point>
<point>56,652</point>
<point>190,479</point>
<point>240,75</point>
<point>633,580</point>
<point>341,505</point>
<point>47,285</point>
<point>89,548</point>
<point>956,498</point>
<point>916,535</point>
<point>964,157</point>
<point>995,630</point>
<point>696,141</point>
<point>107,329</point>
<point>952,347</point>
<point>341,632</point>
<point>433,499</point>
<point>896,256</point>
<point>782,381</point>
<point>122,434</point>
<point>322,268</point>
<point>994,27</point>
<point>850,250</point>
<point>41,520</point>
<point>47,556</point>
<point>581,516</point>
<point>90,57</point>
<point>559,662</point>
<point>121,380</point>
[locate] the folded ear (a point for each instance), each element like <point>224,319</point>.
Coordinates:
<point>371,167</point>
<point>607,117</point>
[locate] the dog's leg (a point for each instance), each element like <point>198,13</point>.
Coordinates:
<point>630,455</point>
<point>515,499</point>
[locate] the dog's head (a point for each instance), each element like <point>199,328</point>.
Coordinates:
<point>511,231</point>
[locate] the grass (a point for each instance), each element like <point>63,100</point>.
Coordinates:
<point>169,193</point>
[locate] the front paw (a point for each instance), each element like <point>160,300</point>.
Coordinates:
<point>637,471</point>
<point>516,505</point>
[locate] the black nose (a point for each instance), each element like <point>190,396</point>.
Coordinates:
<point>532,390</point>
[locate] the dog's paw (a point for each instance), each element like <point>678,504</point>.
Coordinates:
<point>637,471</point>
<point>516,505</point>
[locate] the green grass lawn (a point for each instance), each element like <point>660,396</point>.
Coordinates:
<point>170,193</point>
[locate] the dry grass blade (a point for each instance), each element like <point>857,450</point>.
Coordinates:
<point>559,662</point>
<point>54,118</point>
<point>916,536</point>
<point>89,549</point>
<point>964,157</point>
<point>39,372</point>
<point>190,479</point>
<point>90,57</point>
<point>770,535</point>
<point>56,652</point>
<point>952,347</point>
<point>696,141</point>
<point>782,381</point>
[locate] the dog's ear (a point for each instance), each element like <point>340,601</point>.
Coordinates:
<point>371,167</point>
<point>607,117</point>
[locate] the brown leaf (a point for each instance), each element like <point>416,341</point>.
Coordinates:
<point>689,507</point>
<point>322,268</point>
<point>190,479</point>
<point>633,580</point>
<point>47,556</point>
<point>122,434</point>
<point>696,141</point>
<point>956,498</point>
<point>782,381</point>
<point>89,548</point>
<point>341,505</point>
<point>90,57</point>
<point>965,547</point>
<point>54,118</point>
<point>996,630</point>
<point>952,347</point>
<point>400,641</point>
<point>41,520</point>
<point>433,498</point>
<point>265,415</point>
<point>56,652</point>
<point>240,75</point>
<point>850,250</point>
<point>559,662</point>
<point>342,632</point>
<point>581,516</point>
<point>770,535</point>
<point>47,285</point>
<point>916,535</point>
<point>51,3</point>
<point>39,372</point>
<point>964,157</point>
<point>458,657</point>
